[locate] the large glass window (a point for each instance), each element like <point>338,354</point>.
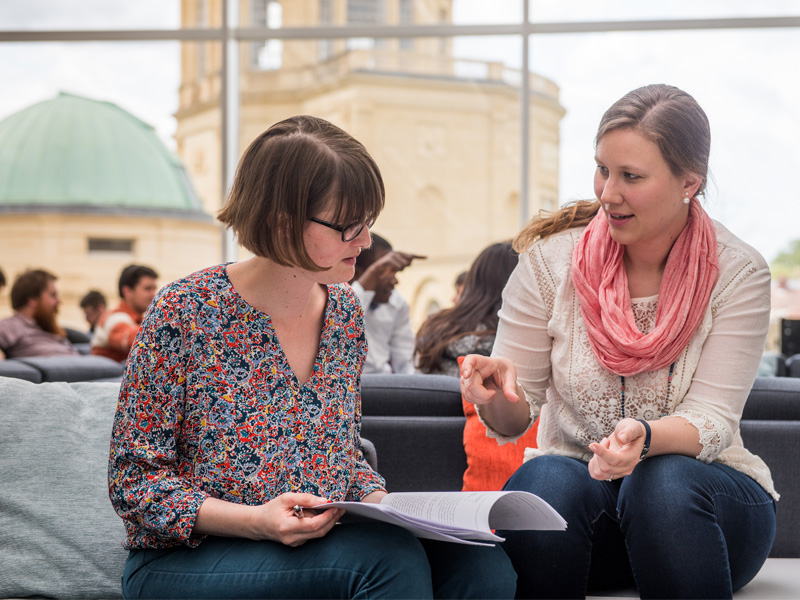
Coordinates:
<point>441,110</point>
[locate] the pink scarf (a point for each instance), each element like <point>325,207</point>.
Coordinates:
<point>598,274</point>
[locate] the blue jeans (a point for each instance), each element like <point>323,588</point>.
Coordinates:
<point>675,527</point>
<point>356,560</point>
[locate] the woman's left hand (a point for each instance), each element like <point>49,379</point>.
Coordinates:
<point>617,455</point>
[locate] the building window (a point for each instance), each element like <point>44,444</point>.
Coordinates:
<point>365,12</point>
<point>268,55</point>
<point>115,245</point>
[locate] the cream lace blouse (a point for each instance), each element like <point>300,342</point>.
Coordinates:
<point>542,331</point>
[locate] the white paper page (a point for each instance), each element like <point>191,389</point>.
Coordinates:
<point>419,528</point>
<point>467,510</point>
<point>521,510</point>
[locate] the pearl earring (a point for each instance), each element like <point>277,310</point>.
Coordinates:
<point>686,198</point>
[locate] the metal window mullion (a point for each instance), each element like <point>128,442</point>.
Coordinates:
<point>524,98</point>
<point>229,114</point>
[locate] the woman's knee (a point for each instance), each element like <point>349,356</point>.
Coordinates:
<point>547,473</point>
<point>388,556</point>
<point>662,488</point>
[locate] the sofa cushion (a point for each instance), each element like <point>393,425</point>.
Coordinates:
<point>19,370</point>
<point>418,453</point>
<point>75,368</point>
<point>59,534</point>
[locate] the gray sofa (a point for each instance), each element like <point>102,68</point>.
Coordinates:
<point>416,423</point>
<point>62,368</point>
<point>59,536</point>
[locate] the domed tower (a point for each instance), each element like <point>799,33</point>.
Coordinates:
<point>87,188</point>
<point>444,131</point>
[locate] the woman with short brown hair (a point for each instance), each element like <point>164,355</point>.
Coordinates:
<point>240,408</point>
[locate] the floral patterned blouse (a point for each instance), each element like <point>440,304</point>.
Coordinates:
<point>209,406</point>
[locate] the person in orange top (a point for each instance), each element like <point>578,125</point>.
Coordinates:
<point>114,334</point>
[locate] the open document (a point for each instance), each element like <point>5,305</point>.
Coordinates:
<point>462,517</point>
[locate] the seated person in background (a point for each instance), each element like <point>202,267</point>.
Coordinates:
<point>117,329</point>
<point>469,328</point>
<point>387,322</point>
<point>459,283</point>
<point>94,307</point>
<point>33,330</point>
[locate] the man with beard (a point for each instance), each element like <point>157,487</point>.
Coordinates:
<point>387,322</point>
<point>116,330</point>
<point>33,329</point>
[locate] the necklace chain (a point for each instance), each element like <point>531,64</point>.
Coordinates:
<point>666,399</point>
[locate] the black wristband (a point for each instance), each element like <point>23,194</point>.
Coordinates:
<point>647,433</point>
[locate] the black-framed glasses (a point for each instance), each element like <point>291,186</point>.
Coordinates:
<point>349,232</point>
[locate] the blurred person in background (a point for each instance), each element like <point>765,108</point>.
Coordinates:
<point>459,285</point>
<point>93,305</point>
<point>470,325</point>
<point>387,321</point>
<point>469,328</point>
<point>117,329</point>
<point>33,330</point>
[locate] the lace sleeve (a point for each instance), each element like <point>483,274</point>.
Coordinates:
<point>522,334</point>
<point>714,435</point>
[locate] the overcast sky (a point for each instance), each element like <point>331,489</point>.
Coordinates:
<point>746,80</point>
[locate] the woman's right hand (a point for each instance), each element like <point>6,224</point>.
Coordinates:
<point>276,520</point>
<point>483,377</point>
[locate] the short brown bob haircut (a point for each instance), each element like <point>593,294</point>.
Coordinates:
<point>295,170</point>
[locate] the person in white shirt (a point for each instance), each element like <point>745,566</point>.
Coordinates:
<point>387,322</point>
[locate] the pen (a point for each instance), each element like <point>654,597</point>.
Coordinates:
<point>298,511</point>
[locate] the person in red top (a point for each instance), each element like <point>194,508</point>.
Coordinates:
<point>114,334</point>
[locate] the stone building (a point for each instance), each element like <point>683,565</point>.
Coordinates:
<point>444,131</point>
<point>87,188</point>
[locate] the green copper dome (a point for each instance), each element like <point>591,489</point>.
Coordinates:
<point>72,153</point>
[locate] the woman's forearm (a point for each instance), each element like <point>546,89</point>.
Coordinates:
<point>507,418</point>
<point>227,519</point>
<point>674,435</point>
